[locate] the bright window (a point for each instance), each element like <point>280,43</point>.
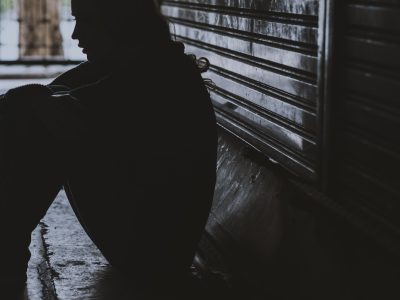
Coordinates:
<point>37,30</point>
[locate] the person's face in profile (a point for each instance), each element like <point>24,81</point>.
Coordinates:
<point>90,30</point>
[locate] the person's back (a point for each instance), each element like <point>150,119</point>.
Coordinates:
<point>153,146</point>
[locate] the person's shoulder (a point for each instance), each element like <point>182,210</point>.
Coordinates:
<point>68,77</point>
<point>94,92</point>
<point>81,75</point>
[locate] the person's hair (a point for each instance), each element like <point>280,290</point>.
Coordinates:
<point>133,20</point>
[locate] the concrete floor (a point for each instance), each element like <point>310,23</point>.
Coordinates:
<point>65,264</point>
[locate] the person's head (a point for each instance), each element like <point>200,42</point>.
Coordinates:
<point>103,27</point>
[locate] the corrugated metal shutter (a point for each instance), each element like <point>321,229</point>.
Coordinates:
<point>368,111</point>
<point>264,57</point>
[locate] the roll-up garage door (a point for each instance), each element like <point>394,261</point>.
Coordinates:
<point>264,64</point>
<point>368,111</point>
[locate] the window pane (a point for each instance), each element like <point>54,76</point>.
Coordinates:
<point>37,30</point>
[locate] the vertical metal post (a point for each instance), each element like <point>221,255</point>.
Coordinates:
<point>325,89</point>
<point>1,6</point>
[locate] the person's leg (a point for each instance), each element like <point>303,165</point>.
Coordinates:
<point>30,178</point>
<point>145,215</point>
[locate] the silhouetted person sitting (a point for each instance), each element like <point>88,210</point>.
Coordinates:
<point>131,136</point>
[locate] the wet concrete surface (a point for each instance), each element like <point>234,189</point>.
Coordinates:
<point>66,265</point>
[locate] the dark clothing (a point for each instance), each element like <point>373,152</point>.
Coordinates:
<point>134,144</point>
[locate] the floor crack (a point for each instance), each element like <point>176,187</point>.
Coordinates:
<point>46,272</point>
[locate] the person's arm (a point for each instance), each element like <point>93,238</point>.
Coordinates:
<point>61,113</point>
